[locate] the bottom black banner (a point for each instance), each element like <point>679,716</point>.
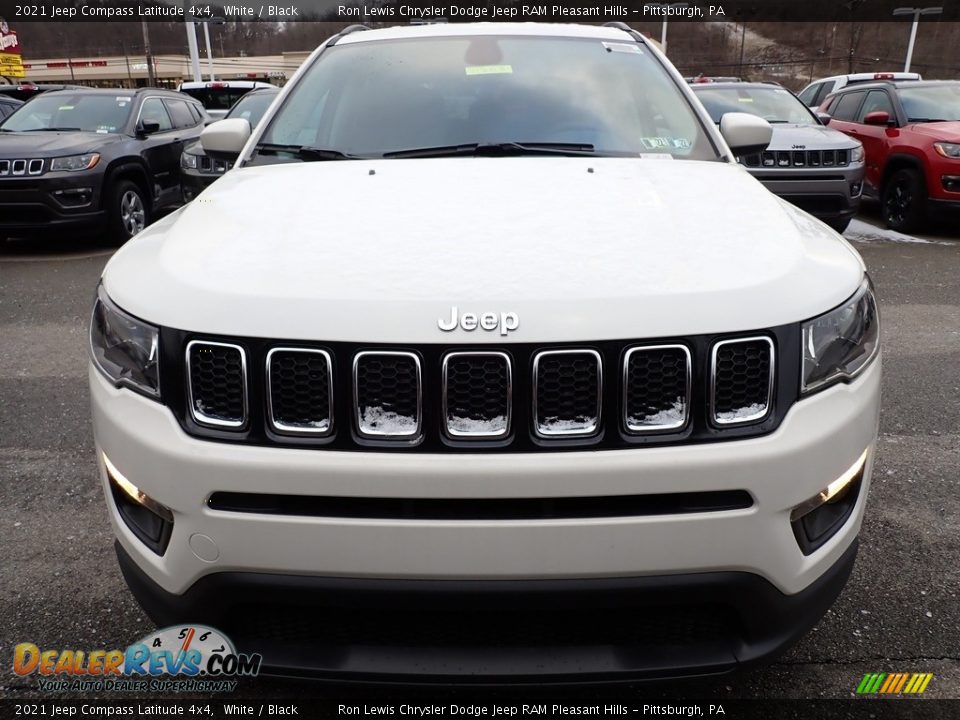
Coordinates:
<point>470,709</point>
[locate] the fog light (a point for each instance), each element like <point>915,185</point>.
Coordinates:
<point>855,189</point>
<point>74,197</point>
<point>951,183</point>
<point>818,519</point>
<point>149,520</point>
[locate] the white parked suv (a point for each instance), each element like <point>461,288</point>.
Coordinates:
<point>488,360</point>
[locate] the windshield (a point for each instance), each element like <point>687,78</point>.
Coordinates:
<point>217,98</point>
<point>252,107</point>
<point>931,102</point>
<point>65,111</point>
<point>370,98</point>
<point>773,104</point>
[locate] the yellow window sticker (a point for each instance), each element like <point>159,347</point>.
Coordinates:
<point>65,107</point>
<point>489,69</point>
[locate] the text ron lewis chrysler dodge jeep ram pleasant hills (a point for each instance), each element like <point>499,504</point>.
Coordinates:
<point>521,376</point>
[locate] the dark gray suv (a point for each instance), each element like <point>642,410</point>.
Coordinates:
<point>816,168</point>
<point>94,159</point>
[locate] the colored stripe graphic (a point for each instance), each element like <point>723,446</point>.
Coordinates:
<point>894,683</point>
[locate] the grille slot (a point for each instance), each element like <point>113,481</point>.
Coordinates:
<point>35,167</point>
<point>656,388</point>
<point>741,380</point>
<point>19,167</point>
<point>567,393</point>
<point>388,394</point>
<point>300,391</point>
<point>477,394</point>
<point>217,384</point>
<point>4,167</point>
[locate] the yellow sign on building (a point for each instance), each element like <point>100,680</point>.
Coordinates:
<point>11,65</point>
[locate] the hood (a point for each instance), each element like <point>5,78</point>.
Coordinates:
<point>578,248</point>
<point>812,137</point>
<point>948,131</point>
<point>52,144</point>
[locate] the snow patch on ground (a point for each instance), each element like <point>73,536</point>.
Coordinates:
<point>859,231</point>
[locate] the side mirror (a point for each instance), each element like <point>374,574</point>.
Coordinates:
<point>225,138</point>
<point>878,117</point>
<point>148,127</point>
<point>745,133</point>
<point>824,118</point>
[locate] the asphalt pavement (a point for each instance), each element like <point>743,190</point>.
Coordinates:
<point>60,586</point>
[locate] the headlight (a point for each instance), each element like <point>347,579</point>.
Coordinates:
<point>856,155</point>
<point>188,162</point>
<point>948,150</point>
<point>839,344</point>
<point>125,349</point>
<point>75,162</point>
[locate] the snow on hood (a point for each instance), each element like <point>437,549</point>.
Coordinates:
<point>578,248</point>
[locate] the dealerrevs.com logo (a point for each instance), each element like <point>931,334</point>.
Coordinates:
<point>187,658</point>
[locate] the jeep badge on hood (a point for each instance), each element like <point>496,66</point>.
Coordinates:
<point>488,321</point>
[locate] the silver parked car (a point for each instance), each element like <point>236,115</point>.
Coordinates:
<point>812,166</point>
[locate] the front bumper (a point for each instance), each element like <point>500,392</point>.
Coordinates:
<point>829,197</point>
<point>51,202</point>
<point>483,630</point>
<point>819,439</point>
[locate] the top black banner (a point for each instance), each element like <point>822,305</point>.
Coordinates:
<point>406,11</point>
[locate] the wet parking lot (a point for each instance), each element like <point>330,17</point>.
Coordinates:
<point>60,586</point>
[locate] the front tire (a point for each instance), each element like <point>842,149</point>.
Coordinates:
<point>838,224</point>
<point>904,201</point>
<point>127,210</point>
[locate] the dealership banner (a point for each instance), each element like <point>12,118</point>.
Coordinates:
<point>404,11</point>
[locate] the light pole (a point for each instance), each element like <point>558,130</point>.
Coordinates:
<point>916,12</point>
<point>665,10</point>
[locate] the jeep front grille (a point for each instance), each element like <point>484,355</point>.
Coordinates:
<point>477,394</point>
<point>514,397</point>
<point>741,380</point>
<point>217,384</point>
<point>656,388</point>
<point>387,394</point>
<point>300,391</point>
<point>796,159</point>
<point>568,394</point>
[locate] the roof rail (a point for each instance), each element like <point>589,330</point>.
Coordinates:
<point>620,25</point>
<point>346,31</point>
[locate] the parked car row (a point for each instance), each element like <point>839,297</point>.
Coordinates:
<point>90,159</point>
<point>891,137</point>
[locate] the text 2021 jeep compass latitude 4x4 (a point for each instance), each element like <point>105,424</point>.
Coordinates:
<point>522,376</point>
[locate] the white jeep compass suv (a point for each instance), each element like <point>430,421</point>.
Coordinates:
<point>488,361</point>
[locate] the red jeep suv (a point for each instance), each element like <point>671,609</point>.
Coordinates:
<point>911,137</point>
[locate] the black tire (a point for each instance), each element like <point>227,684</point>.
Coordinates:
<point>128,211</point>
<point>838,224</point>
<point>904,201</point>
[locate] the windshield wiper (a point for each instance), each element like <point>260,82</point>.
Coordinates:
<point>926,120</point>
<point>54,130</point>
<point>494,149</point>
<point>305,152</point>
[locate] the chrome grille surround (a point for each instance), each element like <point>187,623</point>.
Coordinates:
<point>199,416</point>
<point>635,428</point>
<point>364,428</point>
<point>753,417</point>
<point>460,433</point>
<point>546,432</point>
<point>299,428</point>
